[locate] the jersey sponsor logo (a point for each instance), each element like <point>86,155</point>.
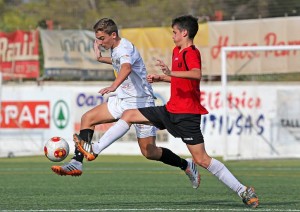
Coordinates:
<point>25,114</point>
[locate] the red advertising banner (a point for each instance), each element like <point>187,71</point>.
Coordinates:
<point>25,114</point>
<point>19,54</point>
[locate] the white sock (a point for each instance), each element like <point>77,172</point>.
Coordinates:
<point>111,135</point>
<point>223,174</point>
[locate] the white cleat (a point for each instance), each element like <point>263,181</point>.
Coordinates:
<point>192,172</point>
<point>73,168</point>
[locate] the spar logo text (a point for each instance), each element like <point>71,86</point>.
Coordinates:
<point>25,114</point>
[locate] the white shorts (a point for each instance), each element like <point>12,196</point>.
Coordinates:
<point>117,106</point>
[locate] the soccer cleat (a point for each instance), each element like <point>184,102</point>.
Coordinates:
<point>250,198</point>
<point>192,172</point>
<point>84,147</point>
<point>73,168</point>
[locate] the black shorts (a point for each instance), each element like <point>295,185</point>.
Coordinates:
<point>184,126</point>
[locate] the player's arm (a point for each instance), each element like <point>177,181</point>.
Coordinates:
<point>158,78</point>
<point>191,74</point>
<point>122,75</point>
<point>99,56</point>
<point>104,60</point>
<point>194,73</point>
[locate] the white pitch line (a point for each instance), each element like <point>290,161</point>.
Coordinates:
<point>153,169</point>
<point>158,209</point>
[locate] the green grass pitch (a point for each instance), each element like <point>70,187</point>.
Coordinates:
<point>132,183</point>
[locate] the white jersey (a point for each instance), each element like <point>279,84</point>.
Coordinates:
<point>136,84</point>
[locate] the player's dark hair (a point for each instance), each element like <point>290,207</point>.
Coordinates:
<point>187,22</point>
<point>106,25</point>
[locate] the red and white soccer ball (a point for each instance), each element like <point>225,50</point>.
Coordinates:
<point>56,149</point>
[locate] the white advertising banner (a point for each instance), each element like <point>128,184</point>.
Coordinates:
<point>30,115</point>
<point>262,121</point>
<point>71,53</point>
<point>288,111</point>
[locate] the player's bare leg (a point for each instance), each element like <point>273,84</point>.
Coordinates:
<point>152,152</point>
<point>218,169</point>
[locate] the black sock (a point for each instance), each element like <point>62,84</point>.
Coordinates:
<point>170,158</point>
<point>86,135</point>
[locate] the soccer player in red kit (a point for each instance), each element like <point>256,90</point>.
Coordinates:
<point>185,93</point>
<point>181,116</point>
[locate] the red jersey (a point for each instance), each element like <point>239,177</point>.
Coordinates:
<point>185,93</point>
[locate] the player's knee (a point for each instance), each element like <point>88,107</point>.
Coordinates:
<point>150,152</point>
<point>84,117</point>
<point>87,120</point>
<point>202,161</point>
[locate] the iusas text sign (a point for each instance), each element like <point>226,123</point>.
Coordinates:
<point>25,114</point>
<point>19,56</point>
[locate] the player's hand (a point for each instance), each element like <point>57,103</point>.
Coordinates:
<point>97,50</point>
<point>107,90</point>
<point>165,69</point>
<point>153,78</point>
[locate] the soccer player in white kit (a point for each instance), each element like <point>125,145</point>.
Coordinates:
<point>132,91</point>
